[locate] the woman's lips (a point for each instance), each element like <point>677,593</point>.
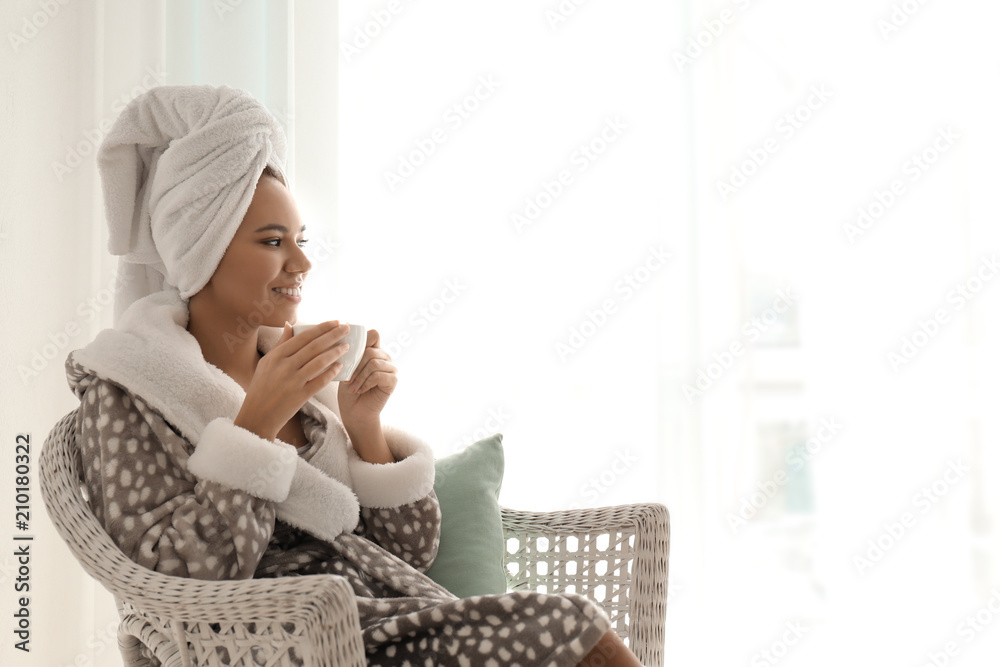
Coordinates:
<point>291,297</point>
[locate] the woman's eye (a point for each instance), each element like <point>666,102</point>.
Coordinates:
<point>278,241</point>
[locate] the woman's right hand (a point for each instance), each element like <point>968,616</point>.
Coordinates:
<point>290,374</point>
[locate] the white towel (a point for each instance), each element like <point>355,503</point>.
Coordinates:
<point>178,169</point>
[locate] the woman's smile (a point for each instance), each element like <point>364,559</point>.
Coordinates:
<point>294,295</point>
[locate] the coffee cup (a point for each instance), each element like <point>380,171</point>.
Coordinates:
<point>356,338</point>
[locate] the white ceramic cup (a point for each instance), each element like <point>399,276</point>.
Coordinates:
<point>356,339</point>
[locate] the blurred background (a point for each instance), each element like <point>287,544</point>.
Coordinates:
<point>735,257</point>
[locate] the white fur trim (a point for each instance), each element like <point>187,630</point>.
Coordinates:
<point>384,485</point>
<point>240,459</point>
<point>318,504</point>
<point>151,354</point>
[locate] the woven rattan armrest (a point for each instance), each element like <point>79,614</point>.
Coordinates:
<point>317,614</point>
<point>319,609</point>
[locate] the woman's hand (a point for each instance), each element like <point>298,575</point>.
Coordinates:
<point>362,398</point>
<point>290,373</point>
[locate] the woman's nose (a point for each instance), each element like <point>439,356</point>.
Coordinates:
<point>298,262</point>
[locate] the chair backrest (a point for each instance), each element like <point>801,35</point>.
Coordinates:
<point>62,483</point>
<point>62,489</point>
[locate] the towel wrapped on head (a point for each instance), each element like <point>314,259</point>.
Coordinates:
<point>178,169</point>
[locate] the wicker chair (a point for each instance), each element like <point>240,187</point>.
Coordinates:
<point>615,556</point>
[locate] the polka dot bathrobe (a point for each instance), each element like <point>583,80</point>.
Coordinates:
<point>184,491</point>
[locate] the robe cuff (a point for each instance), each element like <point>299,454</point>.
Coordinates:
<point>319,504</point>
<point>240,459</point>
<point>387,485</point>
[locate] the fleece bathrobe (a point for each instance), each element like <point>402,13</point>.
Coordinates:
<point>184,491</point>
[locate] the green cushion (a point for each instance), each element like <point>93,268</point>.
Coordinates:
<point>470,558</point>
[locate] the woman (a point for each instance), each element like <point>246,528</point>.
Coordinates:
<point>215,444</point>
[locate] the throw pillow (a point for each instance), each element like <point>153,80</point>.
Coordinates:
<point>471,555</point>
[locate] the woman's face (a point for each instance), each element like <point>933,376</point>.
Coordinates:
<point>265,254</point>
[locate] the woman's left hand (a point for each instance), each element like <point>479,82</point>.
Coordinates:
<point>361,400</point>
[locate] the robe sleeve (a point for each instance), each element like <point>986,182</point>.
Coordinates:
<point>411,531</point>
<point>160,514</point>
<point>399,509</point>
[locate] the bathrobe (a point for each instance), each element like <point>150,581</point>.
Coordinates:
<point>184,491</point>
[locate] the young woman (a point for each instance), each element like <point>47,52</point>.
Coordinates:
<point>215,443</point>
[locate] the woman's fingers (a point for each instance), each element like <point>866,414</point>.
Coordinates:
<point>376,372</point>
<point>322,362</point>
<point>373,341</point>
<point>316,340</point>
<point>312,351</point>
<point>294,369</point>
<point>385,380</point>
<point>322,348</point>
<point>369,354</point>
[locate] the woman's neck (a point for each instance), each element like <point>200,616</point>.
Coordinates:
<point>231,349</point>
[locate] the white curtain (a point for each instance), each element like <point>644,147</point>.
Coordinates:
<point>626,235</point>
<point>67,70</point>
